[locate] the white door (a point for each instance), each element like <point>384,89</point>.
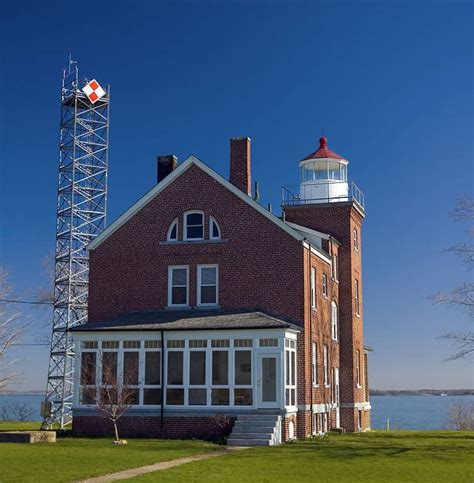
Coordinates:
<point>268,380</point>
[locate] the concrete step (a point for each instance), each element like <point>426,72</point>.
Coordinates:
<point>254,424</point>
<point>257,417</point>
<point>248,442</point>
<point>266,435</point>
<point>253,429</point>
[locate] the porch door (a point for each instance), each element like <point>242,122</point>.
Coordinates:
<point>268,380</point>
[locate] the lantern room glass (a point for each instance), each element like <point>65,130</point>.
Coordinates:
<point>324,170</point>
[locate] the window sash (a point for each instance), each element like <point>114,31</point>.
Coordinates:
<point>175,287</point>
<point>313,288</point>
<point>194,226</point>
<point>207,290</point>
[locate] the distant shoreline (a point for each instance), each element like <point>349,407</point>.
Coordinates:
<point>422,392</point>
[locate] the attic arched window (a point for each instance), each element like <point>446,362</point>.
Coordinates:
<point>173,231</point>
<point>334,317</point>
<point>214,229</point>
<point>194,225</point>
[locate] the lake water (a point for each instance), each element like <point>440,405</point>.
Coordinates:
<point>404,412</point>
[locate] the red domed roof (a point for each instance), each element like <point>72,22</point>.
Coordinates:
<point>323,151</point>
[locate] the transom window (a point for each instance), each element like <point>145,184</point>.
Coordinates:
<point>194,225</point>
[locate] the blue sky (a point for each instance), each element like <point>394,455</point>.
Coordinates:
<point>389,82</point>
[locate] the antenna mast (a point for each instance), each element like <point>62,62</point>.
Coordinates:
<point>81,216</point>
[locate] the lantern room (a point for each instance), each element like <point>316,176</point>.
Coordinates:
<point>323,176</point>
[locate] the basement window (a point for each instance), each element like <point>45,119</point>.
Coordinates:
<point>194,225</point>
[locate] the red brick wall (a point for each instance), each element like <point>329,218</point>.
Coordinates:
<point>260,265</point>
<point>208,428</point>
<point>339,220</point>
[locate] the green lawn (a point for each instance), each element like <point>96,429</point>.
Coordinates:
<point>403,456</point>
<point>71,459</point>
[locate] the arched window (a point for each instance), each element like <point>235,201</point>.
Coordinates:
<point>173,231</point>
<point>194,225</point>
<point>334,316</point>
<point>214,229</point>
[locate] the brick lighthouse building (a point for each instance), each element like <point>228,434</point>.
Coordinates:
<point>229,320</point>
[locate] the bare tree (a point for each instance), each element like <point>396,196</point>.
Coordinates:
<point>111,393</point>
<point>16,411</point>
<point>9,332</point>
<point>462,297</point>
<point>461,417</point>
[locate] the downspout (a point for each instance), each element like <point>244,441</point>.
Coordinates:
<point>311,333</point>
<point>162,410</point>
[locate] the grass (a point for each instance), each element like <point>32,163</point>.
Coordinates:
<point>20,426</point>
<point>395,456</point>
<point>71,459</point>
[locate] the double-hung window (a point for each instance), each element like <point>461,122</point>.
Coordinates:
<point>335,268</point>
<point>358,368</point>
<point>326,366</point>
<point>325,285</point>
<point>357,298</point>
<point>356,240</point>
<point>194,225</point>
<point>208,285</point>
<point>178,286</point>
<point>313,288</point>
<point>314,364</point>
<point>334,322</point>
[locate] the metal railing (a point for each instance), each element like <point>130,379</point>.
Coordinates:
<point>291,196</point>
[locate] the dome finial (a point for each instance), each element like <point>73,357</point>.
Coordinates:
<point>323,142</point>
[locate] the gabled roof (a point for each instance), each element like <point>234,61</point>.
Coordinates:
<point>189,320</point>
<point>323,151</point>
<point>314,233</point>
<point>182,168</point>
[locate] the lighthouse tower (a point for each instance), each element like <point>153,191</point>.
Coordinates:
<point>325,201</point>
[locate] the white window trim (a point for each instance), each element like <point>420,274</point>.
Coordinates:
<point>313,288</point>
<point>356,240</point>
<point>334,321</point>
<point>199,268</point>
<point>314,364</point>
<point>357,298</point>
<point>185,225</point>
<point>324,285</point>
<point>170,286</point>
<point>358,380</point>
<point>212,221</point>
<point>326,365</point>
<point>170,229</point>
<point>335,268</point>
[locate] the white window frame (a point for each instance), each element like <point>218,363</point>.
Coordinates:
<point>199,268</point>
<point>314,364</point>
<point>170,229</point>
<point>326,365</point>
<point>213,221</point>
<point>358,368</point>
<point>170,285</point>
<point>335,268</point>
<point>357,298</point>
<point>185,225</point>
<point>313,288</point>
<point>325,284</point>
<point>334,321</point>
<point>356,240</point>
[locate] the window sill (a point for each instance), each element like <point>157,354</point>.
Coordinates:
<point>178,307</point>
<point>192,242</point>
<point>357,315</point>
<point>327,386</point>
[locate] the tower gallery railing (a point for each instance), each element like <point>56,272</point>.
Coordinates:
<point>302,194</point>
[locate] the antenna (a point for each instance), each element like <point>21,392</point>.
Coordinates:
<point>81,210</point>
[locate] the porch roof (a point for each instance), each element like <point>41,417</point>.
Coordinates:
<point>189,320</point>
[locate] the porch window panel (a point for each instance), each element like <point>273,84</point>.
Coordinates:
<point>220,397</point>
<point>197,397</point>
<point>175,368</point>
<point>130,368</point>
<point>153,368</point>
<point>131,396</point>
<point>152,396</point>
<point>243,368</point>
<point>220,368</point>
<point>109,368</point>
<point>243,397</point>
<point>88,368</point>
<point>197,368</point>
<point>174,396</point>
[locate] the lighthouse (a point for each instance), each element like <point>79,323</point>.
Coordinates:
<point>323,176</point>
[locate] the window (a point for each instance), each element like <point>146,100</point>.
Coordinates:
<point>207,283</point>
<point>152,379</point>
<point>220,377</point>
<point>175,390</point>
<point>197,392</point>
<point>268,342</point>
<point>334,317</point>
<point>314,364</point>
<point>356,298</point>
<point>194,225</point>
<point>88,377</point>
<point>313,288</point>
<point>356,240</point>
<point>214,230</point>
<point>130,377</point>
<point>178,282</point>
<point>325,285</point>
<point>243,377</point>
<point>358,368</point>
<point>335,268</point>
<point>290,373</point>
<point>326,366</point>
<point>173,231</point>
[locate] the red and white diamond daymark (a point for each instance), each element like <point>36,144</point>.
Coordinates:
<point>93,91</point>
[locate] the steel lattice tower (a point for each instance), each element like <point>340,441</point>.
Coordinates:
<point>81,216</point>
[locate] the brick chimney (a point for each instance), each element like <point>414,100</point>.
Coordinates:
<point>165,165</point>
<point>240,175</point>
